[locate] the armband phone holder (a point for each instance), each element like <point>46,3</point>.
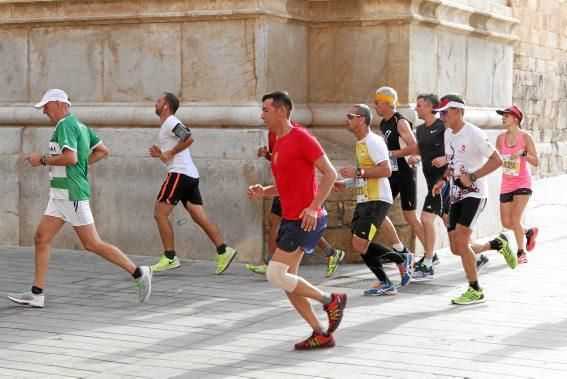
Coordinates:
<point>181,131</point>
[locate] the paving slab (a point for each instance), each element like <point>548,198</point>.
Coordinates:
<point>198,325</point>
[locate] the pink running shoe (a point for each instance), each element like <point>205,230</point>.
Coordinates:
<point>531,236</point>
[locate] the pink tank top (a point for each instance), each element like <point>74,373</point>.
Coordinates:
<point>515,172</point>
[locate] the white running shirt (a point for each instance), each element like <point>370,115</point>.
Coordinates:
<point>181,162</point>
<point>467,151</point>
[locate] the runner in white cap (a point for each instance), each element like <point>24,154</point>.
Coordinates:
<point>470,159</point>
<point>72,148</point>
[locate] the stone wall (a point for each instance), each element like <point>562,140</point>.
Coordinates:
<point>540,78</point>
<point>115,57</point>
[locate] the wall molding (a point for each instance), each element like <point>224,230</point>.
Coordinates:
<point>213,115</point>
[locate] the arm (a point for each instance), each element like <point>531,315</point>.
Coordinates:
<point>67,158</point>
<point>407,136</point>
<point>99,152</point>
<point>532,157</point>
<point>166,156</point>
<point>256,190</point>
<point>441,183</point>
<point>381,170</point>
<point>493,162</point>
<point>309,215</point>
<point>263,152</point>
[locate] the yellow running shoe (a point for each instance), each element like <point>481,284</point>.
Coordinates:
<point>223,260</point>
<point>166,264</point>
<point>259,269</point>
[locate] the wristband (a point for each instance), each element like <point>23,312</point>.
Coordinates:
<point>42,160</point>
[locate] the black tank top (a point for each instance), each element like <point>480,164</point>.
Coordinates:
<point>389,129</point>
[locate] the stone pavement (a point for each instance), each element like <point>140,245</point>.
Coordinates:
<point>236,325</point>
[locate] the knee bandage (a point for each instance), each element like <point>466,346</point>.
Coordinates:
<point>278,276</point>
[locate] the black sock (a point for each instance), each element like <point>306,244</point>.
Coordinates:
<point>475,285</point>
<point>221,249</point>
<point>495,244</point>
<point>36,290</point>
<point>520,252</point>
<point>137,273</point>
<point>169,254</point>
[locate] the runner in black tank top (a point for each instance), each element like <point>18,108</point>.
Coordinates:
<point>396,130</point>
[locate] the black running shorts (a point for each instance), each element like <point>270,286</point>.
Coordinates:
<point>465,212</point>
<point>368,217</point>
<point>509,197</point>
<point>179,187</point>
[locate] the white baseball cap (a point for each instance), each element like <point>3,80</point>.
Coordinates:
<point>53,95</point>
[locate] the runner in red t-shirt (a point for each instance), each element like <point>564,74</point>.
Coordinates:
<point>295,156</point>
<point>333,256</point>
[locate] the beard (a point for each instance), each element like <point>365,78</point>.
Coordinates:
<point>158,111</point>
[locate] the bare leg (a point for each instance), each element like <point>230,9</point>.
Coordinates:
<point>459,239</point>
<point>515,210</point>
<point>161,214</point>
<point>304,290</point>
<point>274,222</point>
<point>428,222</point>
<point>91,241</point>
<point>415,224</point>
<point>199,215</point>
<point>387,229</point>
<point>47,229</point>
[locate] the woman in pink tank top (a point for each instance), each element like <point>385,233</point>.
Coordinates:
<point>517,148</point>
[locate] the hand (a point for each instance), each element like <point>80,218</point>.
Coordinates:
<point>438,187</point>
<point>412,161</point>
<point>439,162</point>
<point>34,158</point>
<point>465,180</point>
<point>308,219</point>
<point>166,156</point>
<point>263,152</point>
<point>155,151</point>
<point>255,191</point>
<point>348,172</point>
<point>339,186</point>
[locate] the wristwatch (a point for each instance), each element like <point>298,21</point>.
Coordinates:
<point>472,177</point>
<point>524,153</point>
<point>358,172</point>
<point>42,160</point>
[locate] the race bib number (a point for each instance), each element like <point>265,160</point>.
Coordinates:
<point>54,149</point>
<point>361,185</point>
<point>511,165</point>
<point>393,162</point>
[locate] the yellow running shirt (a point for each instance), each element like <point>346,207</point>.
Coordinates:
<point>371,151</point>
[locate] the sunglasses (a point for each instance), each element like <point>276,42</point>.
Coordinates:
<point>350,116</point>
<point>444,112</point>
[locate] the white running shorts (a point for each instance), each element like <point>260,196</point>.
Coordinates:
<point>77,213</point>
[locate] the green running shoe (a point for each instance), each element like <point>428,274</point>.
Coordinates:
<point>333,262</point>
<point>509,256</point>
<point>259,269</point>
<point>472,296</point>
<point>223,260</point>
<point>166,264</point>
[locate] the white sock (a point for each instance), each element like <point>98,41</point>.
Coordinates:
<point>399,247</point>
<point>428,262</point>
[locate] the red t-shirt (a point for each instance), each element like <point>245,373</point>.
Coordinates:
<point>272,136</point>
<point>293,158</point>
